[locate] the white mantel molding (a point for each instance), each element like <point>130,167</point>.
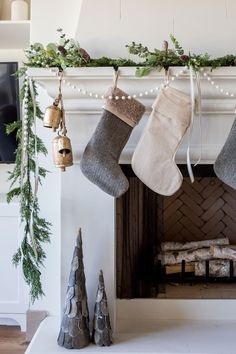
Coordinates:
<point>217,109</point>
<point>98,79</point>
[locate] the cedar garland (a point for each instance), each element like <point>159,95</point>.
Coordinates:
<point>22,187</point>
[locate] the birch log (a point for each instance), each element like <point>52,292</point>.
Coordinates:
<point>179,246</point>
<point>217,268</point>
<point>176,257</point>
<point>224,252</point>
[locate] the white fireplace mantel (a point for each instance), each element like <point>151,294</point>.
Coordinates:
<point>98,79</point>
<point>217,108</point>
<point>83,204</point>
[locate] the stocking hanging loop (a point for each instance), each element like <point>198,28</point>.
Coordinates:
<point>199,115</point>
<point>165,46</point>
<point>115,77</point>
<point>192,91</point>
<point>60,74</point>
<point>167,77</point>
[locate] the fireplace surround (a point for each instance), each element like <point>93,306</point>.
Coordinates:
<point>82,115</point>
<point>76,198</point>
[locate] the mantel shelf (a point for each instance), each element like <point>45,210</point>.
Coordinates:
<point>126,72</point>
<point>98,79</point>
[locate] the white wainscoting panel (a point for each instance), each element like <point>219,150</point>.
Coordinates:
<point>13,298</point>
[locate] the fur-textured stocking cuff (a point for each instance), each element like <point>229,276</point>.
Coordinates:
<point>128,110</point>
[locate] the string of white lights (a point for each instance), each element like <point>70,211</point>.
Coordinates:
<point>25,113</point>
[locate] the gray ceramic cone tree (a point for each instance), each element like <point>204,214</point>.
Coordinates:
<point>74,331</point>
<point>102,332</point>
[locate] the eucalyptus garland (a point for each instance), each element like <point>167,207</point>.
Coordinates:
<point>164,58</point>
<point>68,53</point>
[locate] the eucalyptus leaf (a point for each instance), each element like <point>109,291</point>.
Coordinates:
<point>51,47</point>
<point>63,65</point>
<point>143,71</point>
<point>72,42</point>
<point>38,45</point>
<point>62,41</point>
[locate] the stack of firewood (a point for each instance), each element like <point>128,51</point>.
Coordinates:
<point>195,254</point>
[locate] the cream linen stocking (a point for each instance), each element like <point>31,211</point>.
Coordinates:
<point>154,158</point>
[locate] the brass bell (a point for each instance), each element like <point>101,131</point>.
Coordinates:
<point>52,116</point>
<point>62,152</point>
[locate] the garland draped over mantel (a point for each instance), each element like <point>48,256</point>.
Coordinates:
<point>27,174</point>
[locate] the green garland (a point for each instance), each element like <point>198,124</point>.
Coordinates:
<point>159,59</point>
<point>68,53</point>
<point>30,253</point>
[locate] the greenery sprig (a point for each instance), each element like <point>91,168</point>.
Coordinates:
<point>158,59</point>
<point>67,53</point>
<point>152,60</point>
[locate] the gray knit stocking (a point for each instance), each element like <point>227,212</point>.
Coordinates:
<point>225,165</point>
<point>100,161</point>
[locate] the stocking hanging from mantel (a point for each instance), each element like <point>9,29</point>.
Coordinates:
<point>225,164</point>
<point>99,162</point>
<point>153,161</point>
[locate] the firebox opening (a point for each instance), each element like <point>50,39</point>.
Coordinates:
<point>183,246</point>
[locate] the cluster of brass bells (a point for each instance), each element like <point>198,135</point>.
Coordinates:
<point>54,118</point>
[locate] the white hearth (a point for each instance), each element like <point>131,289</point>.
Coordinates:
<point>152,337</point>
<point>84,205</point>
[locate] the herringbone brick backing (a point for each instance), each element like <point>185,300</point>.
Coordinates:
<point>202,210</point>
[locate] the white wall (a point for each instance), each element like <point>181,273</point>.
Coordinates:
<point>49,15</point>
<point>86,206</point>
<point>106,26</point>
<point>50,205</point>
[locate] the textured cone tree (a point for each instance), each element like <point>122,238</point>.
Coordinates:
<point>74,331</point>
<point>102,332</point>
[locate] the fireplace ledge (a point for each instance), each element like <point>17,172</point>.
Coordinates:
<point>81,110</point>
<point>156,337</point>
<point>98,79</point>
